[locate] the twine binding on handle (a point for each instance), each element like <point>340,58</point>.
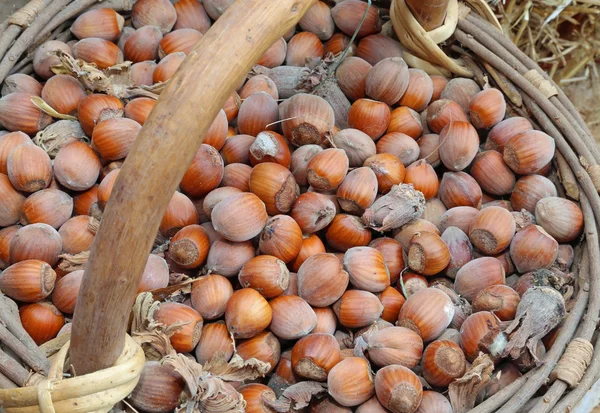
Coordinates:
<point>574,362</point>
<point>541,83</point>
<point>26,14</point>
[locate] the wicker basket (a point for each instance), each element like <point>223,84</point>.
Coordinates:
<point>471,35</point>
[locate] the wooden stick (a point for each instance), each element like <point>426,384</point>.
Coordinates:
<point>12,369</point>
<point>27,37</point>
<point>6,383</point>
<point>9,317</point>
<point>429,13</point>
<point>159,158</point>
<point>35,360</point>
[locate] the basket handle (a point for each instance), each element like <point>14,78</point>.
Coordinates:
<point>159,158</point>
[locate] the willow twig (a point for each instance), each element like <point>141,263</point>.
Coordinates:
<point>35,360</point>
<point>9,317</point>
<point>551,397</point>
<point>495,54</point>
<point>530,64</point>
<point>28,36</point>
<point>567,177</point>
<point>564,336</point>
<point>6,383</point>
<point>12,369</point>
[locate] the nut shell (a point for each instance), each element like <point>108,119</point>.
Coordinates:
<point>398,389</point>
<point>247,313</point>
<point>350,381</point>
<point>428,312</point>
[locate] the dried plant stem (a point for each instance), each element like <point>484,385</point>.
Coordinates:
<point>28,36</point>
<point>35,360</point>
<point>12,369</point>
<point>553,395</point>
<point>9,318</point>
<point>6,383</point>
<point>567,177</point>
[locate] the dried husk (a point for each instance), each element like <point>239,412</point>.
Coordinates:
<point>55,135</point>
<point>400,206</point>
<point>539,311</point>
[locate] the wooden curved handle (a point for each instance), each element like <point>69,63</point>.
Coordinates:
<point>159,158</point>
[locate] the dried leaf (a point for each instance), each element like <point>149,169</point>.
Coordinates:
<point>539,311</point>
<point>296,397</point>
<point>178,284</point>
<point>114,80</point>
<point>400,206</point>
<point>237,369</point>
<point>75,262</point>
<point>46,108</point>
<point>463,391</point>
<point>209,393</point>
<point>154,337</point>
<point>56,134</point>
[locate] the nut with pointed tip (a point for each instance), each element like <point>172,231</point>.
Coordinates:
<point>266,274</point>
<point>395,345</point>
<point>428,312</point>
<point>311,245</point>
<point>388,80</point>
<point>478,274</point>
<point>350,382</point>
<point>533,248</point>
<point>348,17</point>
<point>458,189</point>
<point>529,151</point>
<point>239,217</point>
<point>357,308</point>
<point>459,144</point>
<point>210,295</point>
<point>264,347</point>
<point>247,313</point>
<point>529,189</point>
<point>423,177</point>
<point>347,231</point>
<point>405,120</point>
<point>322,280</point>
<point>358,146</point>
<point>487,108</point>
<point>184,339</point>
<point>214,341</point>
<point>366,268</point>
<point>351,75</point>
<point>48,206</point>
<point>504,131</point>
<point>442,112</point>
<point>561,218</point>
<point>388,169</point>
<point>461,90</point>
<point>369,116</point>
